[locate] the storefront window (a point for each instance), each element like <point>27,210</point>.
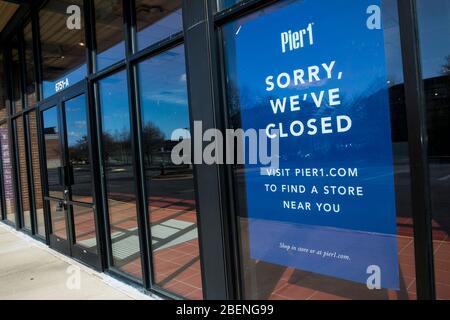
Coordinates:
<point>2,212</point>
<point>16,75</point>
<point>23,172</point>
<point>63,45</point>
<point>119,174</point>
<point>434,33</point>
<point>109,32</point>
<point>156,20</point>
<point>8,182</point>
<point>330,216</point>
<point>170,187</point>
<point>53,154</point>
<point>3,92</point>
<point>30,86</point>
<point>224,4</point>
<point>78,149</point>
<point>36,166</point>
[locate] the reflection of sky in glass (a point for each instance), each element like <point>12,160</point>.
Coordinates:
<point>76,120</point>
<point>163,91</point>
<point>51,119</point>
<point>161,29</point>
<point>223,4</point>
<point>434,25</point>
<point>114,103</point>
<point>73,76</point>
<point>111,56</point>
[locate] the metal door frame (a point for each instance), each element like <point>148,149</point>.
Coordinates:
<point>69,246</point>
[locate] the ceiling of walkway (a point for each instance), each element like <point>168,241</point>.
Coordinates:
<point>7,10</point>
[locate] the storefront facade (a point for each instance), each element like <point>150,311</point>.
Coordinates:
<point>91,92</point>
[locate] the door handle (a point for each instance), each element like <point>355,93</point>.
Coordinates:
<point>66,196</point>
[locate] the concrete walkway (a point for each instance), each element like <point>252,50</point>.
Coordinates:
<point>30,270</point>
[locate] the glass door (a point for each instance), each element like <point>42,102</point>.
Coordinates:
<point>54,194</point>
<point>69,195</point>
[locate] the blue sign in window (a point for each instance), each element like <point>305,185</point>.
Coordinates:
<point>312,74</point>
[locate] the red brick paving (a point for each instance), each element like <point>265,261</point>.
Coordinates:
<point>172,267</point>
<point>173,272</point>
<point>286,290</point>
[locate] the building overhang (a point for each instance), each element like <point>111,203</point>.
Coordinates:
<point>11,13</point>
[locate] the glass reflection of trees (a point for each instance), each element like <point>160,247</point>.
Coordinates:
<point>117,147</point>
<point>170,188</point>
<point>153,141</point>
<point>79,152</point>
<point>117,153</point>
